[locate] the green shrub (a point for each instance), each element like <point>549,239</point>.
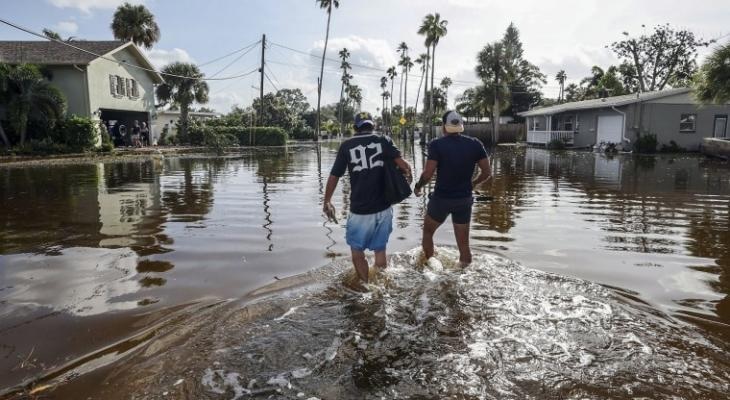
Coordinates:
<point>302,133</point>
<point>224,136</point>
<point>107,146</point>
<point>556,144</point>
<point>77,133</point>
<point>646,143</point>
<point>43,147</point>
<point>673,147</point>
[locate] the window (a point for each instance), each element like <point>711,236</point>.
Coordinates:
<point>568,124</point>
<point>687,122</point>
<point>135,89</point>
<point>120,86</point>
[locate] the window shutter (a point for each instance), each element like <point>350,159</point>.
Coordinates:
<point>135,89</point>
<point>128,86</point>
<point>112,84</point>
<point>120,86</point>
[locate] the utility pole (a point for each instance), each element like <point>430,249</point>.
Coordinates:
<point>261,87</point>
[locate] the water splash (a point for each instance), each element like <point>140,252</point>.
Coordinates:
<point>492,330</point>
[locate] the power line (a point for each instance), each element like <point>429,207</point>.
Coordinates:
<point>273,74</point>
<point>229,54</point>
<point>44,37</point>
<point>233,62</point>
<point>272,83</point>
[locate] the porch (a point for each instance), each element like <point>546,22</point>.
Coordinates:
<point>543,129</point>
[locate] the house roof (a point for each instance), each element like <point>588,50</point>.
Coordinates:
<point>614,101</point>
<point>45,52</point>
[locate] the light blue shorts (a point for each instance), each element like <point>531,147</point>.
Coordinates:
<point>369,231</point>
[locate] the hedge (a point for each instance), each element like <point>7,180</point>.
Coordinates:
<point>220,136</point>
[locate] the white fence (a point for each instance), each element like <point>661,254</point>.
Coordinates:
<point>545,137</point>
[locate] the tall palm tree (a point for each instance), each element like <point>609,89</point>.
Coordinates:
<point>407,64</point>
<point>27,95</point>
<point>403,51</point>
<point>424,30</point>
<point>183,91</point>
<point>422,60</point>
<point>434,28</point>
<point>446,82</point>
<point>135,23</point>
<point>345,66</point>
<point>327,6</point>
<point>391,74</point>
<point>561,76</point>
<point>383,85</point>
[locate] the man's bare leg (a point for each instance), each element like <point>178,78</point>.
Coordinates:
<point>429,229</point>
<point>461,231</point>
<point>361,264</point>
<point>381,260</point>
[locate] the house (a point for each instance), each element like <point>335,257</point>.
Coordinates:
<point>103,83</point>
<point>672,115</point>
<point>167,120</point>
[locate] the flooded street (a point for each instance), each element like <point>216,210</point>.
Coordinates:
<point>598,277</point>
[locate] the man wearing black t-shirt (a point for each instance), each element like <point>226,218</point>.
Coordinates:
<point>453,157</point>
<point>370,222</point>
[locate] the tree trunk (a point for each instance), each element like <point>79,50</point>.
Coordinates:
<point>430,101</point>
<point>184,107</point>
<point>405,101</point>
<point>4,137</point>
<point>390,118</point>
<point>23,126</point>
<point>425,96</point>
<point>342,123</point>
<point>321,75</point>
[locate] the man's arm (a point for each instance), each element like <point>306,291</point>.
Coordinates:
<point>485,172</point>
<point>426,176</point>
<point>329,191</point>
<point>405,168</point>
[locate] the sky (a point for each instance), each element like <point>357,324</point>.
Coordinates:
<point>568,34</point>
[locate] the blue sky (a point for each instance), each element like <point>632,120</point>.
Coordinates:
<point>567,34</point>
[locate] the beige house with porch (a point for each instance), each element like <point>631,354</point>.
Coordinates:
<point>672,115</point>
<point>109,80</point>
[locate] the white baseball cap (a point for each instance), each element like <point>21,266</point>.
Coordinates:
<point>453,122</point>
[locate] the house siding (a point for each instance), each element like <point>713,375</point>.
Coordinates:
<point>588,124</point>
<point>101,97</point>
<point>72,83</point>
<point>662,119</point>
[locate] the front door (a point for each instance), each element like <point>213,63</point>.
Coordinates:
<point>720,128</point>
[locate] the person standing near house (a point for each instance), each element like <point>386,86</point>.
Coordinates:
<point>454,157</point>
<point>145,133</point>
<point>371,216</point>
<point>136,130</point>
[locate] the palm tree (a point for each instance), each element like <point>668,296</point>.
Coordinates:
<point>561,76</point>
<point>407,64</point>
<point>135,24</point>
<point>345,66</point>
<point>422,60</point>
<point>327,6</point>
<point>183,91</point>
<point>712,81</point>
<point>27,95</point>
<point>355,94</point>
<point>391,74</point>
<point>383,85</point>
<point>403,51</point>
<point>446,82</point>
<point>434,28</point>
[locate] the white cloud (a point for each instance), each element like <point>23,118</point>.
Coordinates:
<point>161,57</point>
<point>88,5</point>
<point>67,27</point>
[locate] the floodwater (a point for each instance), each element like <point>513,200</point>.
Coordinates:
<point>597,277</point>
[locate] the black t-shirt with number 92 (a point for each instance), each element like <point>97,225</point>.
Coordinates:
<point>363,156</point>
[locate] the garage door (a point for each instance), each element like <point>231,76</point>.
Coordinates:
<point>609,129</point>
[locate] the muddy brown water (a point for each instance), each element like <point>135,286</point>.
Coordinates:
<point>612,282</point>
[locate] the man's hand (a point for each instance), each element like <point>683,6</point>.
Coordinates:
<point>329,210</point>
<point>417,191</point>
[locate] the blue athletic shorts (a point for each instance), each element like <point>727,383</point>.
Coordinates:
<point>369,231</point>
<point>460,209</point>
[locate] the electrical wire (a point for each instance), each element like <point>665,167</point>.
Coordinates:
<point>232,62</point>
<point>229,54</point>
<point>270,81</point>
<point>197,78</point>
